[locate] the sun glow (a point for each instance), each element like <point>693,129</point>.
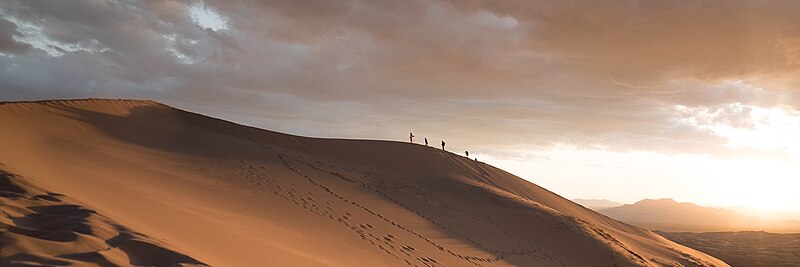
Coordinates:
<point>765,179</point>
<point>757,183</point>
<point>760,183</point>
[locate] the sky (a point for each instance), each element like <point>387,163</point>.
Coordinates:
<point>622,100</point>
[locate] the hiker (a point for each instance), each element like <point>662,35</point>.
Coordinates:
<point>442,144</point>
<point>426,141</point>
<point>411,137</point>
<point>466,152</point>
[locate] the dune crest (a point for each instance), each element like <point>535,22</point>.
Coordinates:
<point>230,195</point>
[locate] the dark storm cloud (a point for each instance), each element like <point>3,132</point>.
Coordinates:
<point>488,72</point>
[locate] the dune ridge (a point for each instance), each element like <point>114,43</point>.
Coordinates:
<point>232,195</point>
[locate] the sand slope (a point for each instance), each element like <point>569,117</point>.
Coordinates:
<point>230,195</point>
<point>46,228</point>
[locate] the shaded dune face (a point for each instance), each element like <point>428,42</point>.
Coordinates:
<point>42,228</point>
<point>232,195</point>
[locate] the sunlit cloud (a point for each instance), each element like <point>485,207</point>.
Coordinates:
<point>35,36</point>
<point>172,47</point>
<point>767,129</point>
<point>207,17</point>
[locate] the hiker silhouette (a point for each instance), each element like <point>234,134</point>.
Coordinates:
<point>443,145</point>
<point>411,137</point>
<point>426,141</point>
<point>466,152</point>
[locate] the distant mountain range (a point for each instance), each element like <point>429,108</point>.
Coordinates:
<point>672,216</point>
<point>597,204</point>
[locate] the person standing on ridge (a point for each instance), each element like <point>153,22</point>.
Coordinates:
<point>426,141</point>
<point>443,145</point>
<point>411,137</point>
<point>466,152</point>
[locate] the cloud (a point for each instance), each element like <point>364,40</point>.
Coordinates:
<point>750,127</point>
<point>7,42</point>
<point>477,73</point>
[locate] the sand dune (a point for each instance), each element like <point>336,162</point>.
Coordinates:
<point>47,228</point>
<point>230,195</point>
